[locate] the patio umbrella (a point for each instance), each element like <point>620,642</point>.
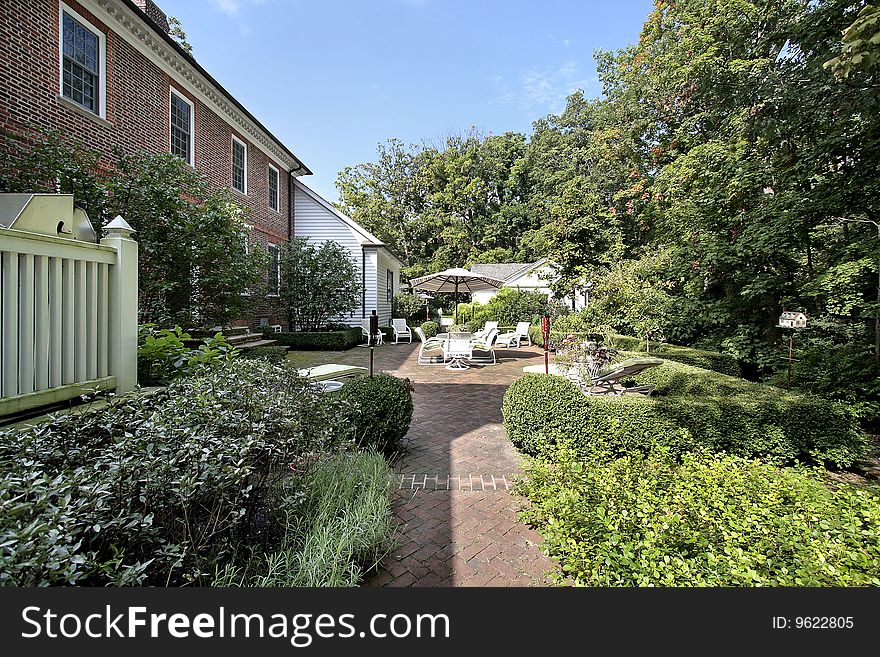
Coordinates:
<point>451,280</point>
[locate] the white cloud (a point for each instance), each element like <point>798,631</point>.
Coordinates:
<point>566,42</point>
<point>542,90</point>
<point>228,7</point>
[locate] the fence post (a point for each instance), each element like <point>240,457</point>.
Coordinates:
<point>123,304</point>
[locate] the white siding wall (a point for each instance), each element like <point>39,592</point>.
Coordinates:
<point>386,264</point>
<point>372,261</point>
<point>318,225</point>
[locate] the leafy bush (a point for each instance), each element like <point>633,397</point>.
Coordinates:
<point>273,354</point>
<point>155,489</point>
<point>318,282</point>
<point>378,410</point>
<point>163,354</point>
<point>431,329</point>
<point>338,525</point>
<point>712,520</point>
<point>541,411</point>
<point>320,340</point>
<point>407,305</point>
<point>510,306</point>
<point>845,372</point>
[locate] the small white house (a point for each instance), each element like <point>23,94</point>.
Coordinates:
<point>528,277</point>
<point>315,218</point>
<point>792,319</point>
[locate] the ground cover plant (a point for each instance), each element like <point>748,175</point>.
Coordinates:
<point>702,520</point>
<point>161,489</point>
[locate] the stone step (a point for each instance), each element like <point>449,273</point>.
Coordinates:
<point>244,346</point>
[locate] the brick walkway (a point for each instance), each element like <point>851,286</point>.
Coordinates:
<point>458,518</point>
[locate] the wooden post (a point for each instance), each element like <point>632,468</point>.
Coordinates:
<point>545,333</point>
<point>123,304</point>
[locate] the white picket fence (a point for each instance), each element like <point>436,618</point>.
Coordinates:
<point>68,314</point>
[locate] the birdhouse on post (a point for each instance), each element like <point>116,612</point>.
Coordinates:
<point>791,319</point>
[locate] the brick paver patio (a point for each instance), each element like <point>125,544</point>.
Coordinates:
<point>458,518</point>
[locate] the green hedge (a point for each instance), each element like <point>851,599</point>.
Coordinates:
<point>710,360</point>
<point>710,520</point>
<point>320,340</point>
<point>273,354</point>
<point>675,378</point>
<point>541,411</point>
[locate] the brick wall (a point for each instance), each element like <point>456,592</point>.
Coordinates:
<point>137,109</point>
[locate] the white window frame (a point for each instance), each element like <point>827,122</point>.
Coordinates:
<point>172,92</point>
<point>232,164</point>
<point>277,207</point>
<point>277,247</point>
<point>102,63</point>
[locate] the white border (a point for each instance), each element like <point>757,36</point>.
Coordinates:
<point>277,247</point>
<point>192,122</point>
<point>102,60</point>
<point>277,207</point>
<point>232,173</point>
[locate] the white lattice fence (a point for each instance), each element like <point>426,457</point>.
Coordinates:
<point>68,314</point>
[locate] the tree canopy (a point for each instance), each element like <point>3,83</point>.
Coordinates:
<point>701,193</point>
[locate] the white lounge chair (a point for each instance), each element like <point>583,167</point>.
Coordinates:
<point>515,337</point>
<point>427,346</point>
<point>483,332</point>
<point>445,322</point>
<point>365,330</point>
<point>485,346</point>
<point>401,330</point>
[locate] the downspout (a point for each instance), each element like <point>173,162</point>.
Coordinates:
<point>363,282</point>
<point>289,232</point>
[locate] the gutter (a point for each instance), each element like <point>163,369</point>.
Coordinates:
<point>363,281</point>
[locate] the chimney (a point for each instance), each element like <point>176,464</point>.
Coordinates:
<point>151,9</point>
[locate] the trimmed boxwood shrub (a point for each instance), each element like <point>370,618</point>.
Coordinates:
<point>320,340</point>
<point>377,410</point>
<point>541,411</point>
<point>273,354</point>
<point>710,360</point>
<point>710,520</point>
<point>431,329</point>
<point>674,378</point>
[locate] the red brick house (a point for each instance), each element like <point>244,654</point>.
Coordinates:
<point>108,72</point>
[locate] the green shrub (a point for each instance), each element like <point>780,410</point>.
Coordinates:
<point>273,354</point>
<point>675,378</point>
<point>163,354</point>
<point>710,360</point>
<point>155,489</point>
<point>407,305</point>
<point>338,525</point>
<point>712,520</point>
<point>541,411</point>
<point>377,410</point>
<point>431,329</point>
<point>510,306</point>
<point>320,340</point>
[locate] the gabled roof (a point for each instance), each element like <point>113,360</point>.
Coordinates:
<point>507,271</point>
<point>365,237</point>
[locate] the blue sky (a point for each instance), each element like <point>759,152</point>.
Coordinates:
<point>333,78</point>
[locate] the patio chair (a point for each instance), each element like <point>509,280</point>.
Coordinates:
<point>401,330</point>
<point>365,330</point>
<point>484,332</point>
<point>457,353</point>
<point>610,383</point>
<point>484,345</point>
<point>446,322</point>
<point>515,337</point>
<point>427,346</point>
